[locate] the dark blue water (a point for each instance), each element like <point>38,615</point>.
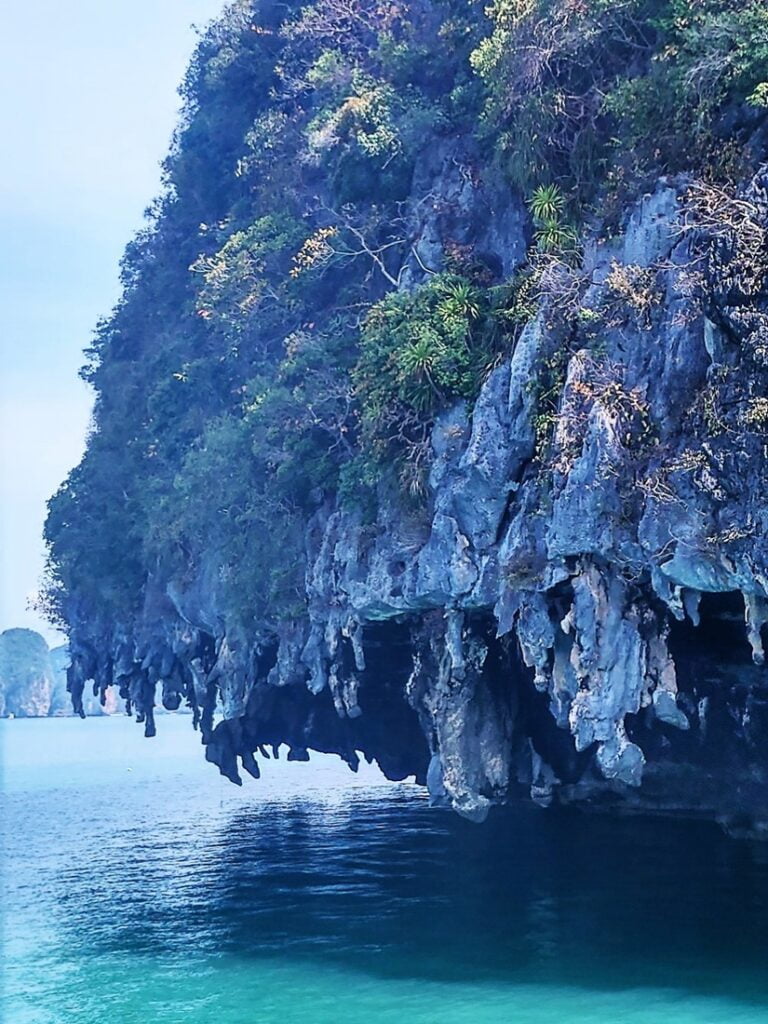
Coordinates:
<point>140,887</point>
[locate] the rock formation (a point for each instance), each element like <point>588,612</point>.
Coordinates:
<point>576,610</point>
<point>26,675</point>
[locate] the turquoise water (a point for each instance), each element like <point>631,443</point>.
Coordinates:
<point>140,887</point>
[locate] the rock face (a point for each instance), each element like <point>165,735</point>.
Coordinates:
<point>577,619</point>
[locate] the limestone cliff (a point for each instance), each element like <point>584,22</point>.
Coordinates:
<point>586,625</point>
<point>574,608</point>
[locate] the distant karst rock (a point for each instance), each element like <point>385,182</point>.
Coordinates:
<point>27,678</point>
<point>33,679</point>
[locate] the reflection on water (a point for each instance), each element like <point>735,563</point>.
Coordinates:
<point>140,886</point>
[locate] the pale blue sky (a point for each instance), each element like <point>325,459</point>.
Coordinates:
<point>88,105</point>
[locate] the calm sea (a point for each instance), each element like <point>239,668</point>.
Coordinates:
<point>141,888</point>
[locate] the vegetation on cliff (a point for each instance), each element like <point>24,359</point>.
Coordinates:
<point>281,340</point>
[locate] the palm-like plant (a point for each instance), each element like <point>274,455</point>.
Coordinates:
<point>419,364</point>
<point>461,300</point>
<point>553,232</point>
<point>553,236</point>
<point>419,356</point>
<point>547,203</point>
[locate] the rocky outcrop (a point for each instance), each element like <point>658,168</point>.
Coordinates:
<point>579,614</point>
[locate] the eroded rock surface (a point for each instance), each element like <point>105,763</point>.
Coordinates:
<point>579,615</point>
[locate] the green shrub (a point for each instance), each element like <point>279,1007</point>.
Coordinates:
<point>546,66</point>
<point>250,269</point>
<point>552,232</point>
<point>572,89</point>
<point>419,352</point>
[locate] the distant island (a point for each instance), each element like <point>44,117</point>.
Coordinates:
<point>33,679</point>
